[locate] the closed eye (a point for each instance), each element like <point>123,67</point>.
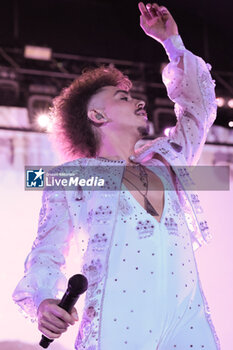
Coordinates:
<point>124,98</point>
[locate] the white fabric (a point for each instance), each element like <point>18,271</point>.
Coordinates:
<point>174,41</point>
<point>152,296</point>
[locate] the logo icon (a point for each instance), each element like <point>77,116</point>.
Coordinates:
<point>35,178</point>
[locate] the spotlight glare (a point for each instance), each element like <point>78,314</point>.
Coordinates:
<point>230,103</point>
<point>220,101</point>
<point>43,120</point>
<point>230,124</point>
<point>166,131</point>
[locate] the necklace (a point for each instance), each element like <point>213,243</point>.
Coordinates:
<point>144,179</point>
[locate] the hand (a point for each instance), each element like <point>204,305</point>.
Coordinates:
<point>53,320</point>
<point>157,22</point>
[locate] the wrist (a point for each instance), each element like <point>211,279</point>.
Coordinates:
<point>40,296</point>
<point>173,46</point>
<point>170,36</point>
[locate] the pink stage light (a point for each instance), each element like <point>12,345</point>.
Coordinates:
<point>230,103</point>
<point>43,120</point>
<point>166,131</point>
<point>220,101</point>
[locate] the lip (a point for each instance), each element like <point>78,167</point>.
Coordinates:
<point>141,112</point>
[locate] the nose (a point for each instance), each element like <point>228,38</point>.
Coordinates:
<point>140,104</point>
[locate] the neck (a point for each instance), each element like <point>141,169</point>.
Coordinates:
<point>117,147</point>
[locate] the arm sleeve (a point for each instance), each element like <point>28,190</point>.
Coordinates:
<point>192,91</point>
<point>43,276</point>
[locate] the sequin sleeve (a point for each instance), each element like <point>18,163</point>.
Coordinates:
<point>43,276</point>
<point>192,90</point>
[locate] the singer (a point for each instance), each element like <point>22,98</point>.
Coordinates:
<point>137,244</point>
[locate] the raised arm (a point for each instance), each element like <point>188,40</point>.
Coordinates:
<point>188,82</point>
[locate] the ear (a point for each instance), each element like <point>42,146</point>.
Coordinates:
<point>96,116</point>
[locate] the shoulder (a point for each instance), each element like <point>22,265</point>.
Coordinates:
<point>66,165</point>
<point>74,162</point>
<point>163,149</point>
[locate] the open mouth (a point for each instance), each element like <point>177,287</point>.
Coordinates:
<point>141,112</point>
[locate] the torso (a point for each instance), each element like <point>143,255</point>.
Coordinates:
<point>155,193</point>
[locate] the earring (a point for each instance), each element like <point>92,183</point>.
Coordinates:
<point>99,116</point>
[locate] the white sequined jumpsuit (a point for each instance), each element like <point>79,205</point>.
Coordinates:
<point>153,298</point>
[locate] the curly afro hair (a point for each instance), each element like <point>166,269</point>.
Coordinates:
<point>74,134</point>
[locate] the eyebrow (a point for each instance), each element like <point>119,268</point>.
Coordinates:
<point>118,91</point>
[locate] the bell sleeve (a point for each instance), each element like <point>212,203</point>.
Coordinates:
<point>43,275</point>
<point>190,86</point>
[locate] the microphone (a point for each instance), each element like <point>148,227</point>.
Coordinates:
<point>77,285</point>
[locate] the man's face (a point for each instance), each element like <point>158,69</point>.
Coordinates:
<point>122,110</point>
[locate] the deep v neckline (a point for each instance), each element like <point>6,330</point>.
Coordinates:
<point>124,188</point>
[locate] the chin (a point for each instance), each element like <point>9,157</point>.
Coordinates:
<point>143,130</point>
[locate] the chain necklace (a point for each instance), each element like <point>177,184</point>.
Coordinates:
<point>144,179</point>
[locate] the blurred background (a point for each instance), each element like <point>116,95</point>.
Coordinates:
<point>44,46</point>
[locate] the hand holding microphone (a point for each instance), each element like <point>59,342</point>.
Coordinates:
<point>55,316</point>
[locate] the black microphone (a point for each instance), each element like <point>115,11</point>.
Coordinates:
<point>77,285</point>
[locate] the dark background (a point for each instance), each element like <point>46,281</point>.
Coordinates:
<point>110,29</point>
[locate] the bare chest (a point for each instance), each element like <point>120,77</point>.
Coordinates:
<point>155,192</point>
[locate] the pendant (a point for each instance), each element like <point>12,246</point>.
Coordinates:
<point>149,208</point>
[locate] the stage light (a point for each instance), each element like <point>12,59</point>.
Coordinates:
<point>230,103</point>
<point>43,120</point>
<point>220,101</point>
<point>37,53</point>
<point>38,106</point>
<point>230,124</point>
<point>166,131</point>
